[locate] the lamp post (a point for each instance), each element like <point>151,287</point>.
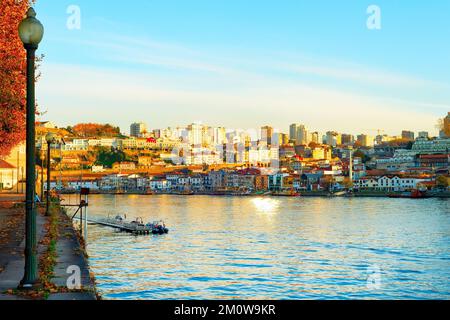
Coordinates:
<point>31,32</point>
<point>50,138</point>
<point>42,174</point>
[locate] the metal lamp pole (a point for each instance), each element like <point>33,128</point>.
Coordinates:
<point>50,138</point>
<point>42,175</point>
<point>31,32</point>
<point>47,212</point>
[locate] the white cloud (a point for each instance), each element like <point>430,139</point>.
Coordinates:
<point>72,94</point>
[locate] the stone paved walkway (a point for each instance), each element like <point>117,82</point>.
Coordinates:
<point>12,242</point>
<point>70,253</point>
<point>12,245</point>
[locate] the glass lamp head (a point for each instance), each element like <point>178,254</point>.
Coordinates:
<point>31,30</point>
<point>50,138</point>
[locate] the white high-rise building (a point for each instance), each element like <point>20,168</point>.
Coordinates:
<point>195,134</point>
<point>219,136</point>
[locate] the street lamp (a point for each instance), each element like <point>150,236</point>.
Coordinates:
<point>31,32</point>
<point>51,139</point>
<point>42,173</point>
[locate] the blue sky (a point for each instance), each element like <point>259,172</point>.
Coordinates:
<point>244,64</point>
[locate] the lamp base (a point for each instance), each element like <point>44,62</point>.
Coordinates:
<point>27,286</point>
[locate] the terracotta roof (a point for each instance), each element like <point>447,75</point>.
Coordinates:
<point>6,165</point>
<point>428,183</point>
<point>434,156</point>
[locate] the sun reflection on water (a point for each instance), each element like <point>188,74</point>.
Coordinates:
<point>266,205</point>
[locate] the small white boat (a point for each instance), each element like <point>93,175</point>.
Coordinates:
<point>338,194</point>
<point>158,227</point>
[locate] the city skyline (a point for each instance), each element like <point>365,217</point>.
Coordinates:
<point>148,129</point>
<point>223,64</point>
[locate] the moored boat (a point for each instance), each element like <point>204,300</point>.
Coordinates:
<point>413,194</point>
<point>158,227</point>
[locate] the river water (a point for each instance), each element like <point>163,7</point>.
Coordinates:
<point>274,248</point>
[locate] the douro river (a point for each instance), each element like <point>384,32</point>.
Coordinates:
<point>273,248</point>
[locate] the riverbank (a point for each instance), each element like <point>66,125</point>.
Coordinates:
<point>360,194</point>
<point>59,247</point>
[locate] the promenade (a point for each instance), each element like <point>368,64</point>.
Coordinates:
<point>63,251</point>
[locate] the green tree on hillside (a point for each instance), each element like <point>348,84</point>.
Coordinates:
<point>107,157</point>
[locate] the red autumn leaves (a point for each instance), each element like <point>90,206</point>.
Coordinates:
<point>12,75</point>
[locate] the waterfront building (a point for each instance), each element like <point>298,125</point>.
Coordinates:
<point>297,184</point>
<point>366,183</point>
<point>123,182</point>
<point>112,182</point>
<point>261,182</point>
<point>434,161</point>
<point>433,146</point>
<point>74,185</point>
<point>311,181</point>
<point>389,183</point>
<point>216,180</point>
<point>401,161</point>
<point>160,184</point>
<point>240,180</point>
<point>280,182</point>
<point>188,182</point>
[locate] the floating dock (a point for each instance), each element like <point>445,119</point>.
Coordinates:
<point>124,227</point>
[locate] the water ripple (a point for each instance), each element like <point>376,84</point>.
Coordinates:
<point>237,248</point>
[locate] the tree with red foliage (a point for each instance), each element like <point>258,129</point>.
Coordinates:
<point>89,130</point>
<point>12,75</point>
